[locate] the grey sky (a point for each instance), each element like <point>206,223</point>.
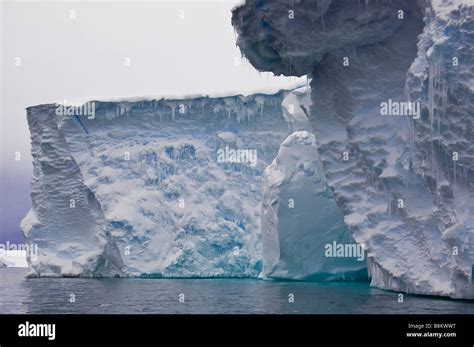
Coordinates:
<point>64,58</point>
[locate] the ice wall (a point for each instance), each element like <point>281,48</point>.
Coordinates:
<point>152,188</point>
<point>66,221</point>
<point>394,177</point>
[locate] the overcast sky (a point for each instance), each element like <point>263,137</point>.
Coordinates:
<point>65,50</point>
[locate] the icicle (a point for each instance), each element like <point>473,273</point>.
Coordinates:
<point>389,206</point>
<point>290,69</point>
<point>454,173</point>
<point>307,86</point>
<point>431,106</point>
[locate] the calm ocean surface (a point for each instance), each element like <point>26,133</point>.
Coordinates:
<point>21,295</point>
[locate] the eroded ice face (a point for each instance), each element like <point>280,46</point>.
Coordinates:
<point>143,187</point>
<point>401,182</point>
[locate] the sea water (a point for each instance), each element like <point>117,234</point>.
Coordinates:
<point>202,296</point>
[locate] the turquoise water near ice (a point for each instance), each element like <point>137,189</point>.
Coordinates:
<point>207,296</point>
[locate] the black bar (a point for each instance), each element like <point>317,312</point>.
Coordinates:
<point>226,329</point>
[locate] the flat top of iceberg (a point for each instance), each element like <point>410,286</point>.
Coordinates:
<point>297,85</point>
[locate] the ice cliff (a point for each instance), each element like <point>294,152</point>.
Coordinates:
<point>157,188</point>
<point>404,183</point>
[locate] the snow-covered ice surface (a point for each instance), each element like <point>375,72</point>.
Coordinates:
<point>393,177</point>
<point>300,217</point>
<point>140,188</point>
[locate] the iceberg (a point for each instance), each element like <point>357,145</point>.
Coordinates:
<point>373,159</point>
<point>138,188</point>
<point>13,259</point>
<point>404,182</point>
<point>177,188</point>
